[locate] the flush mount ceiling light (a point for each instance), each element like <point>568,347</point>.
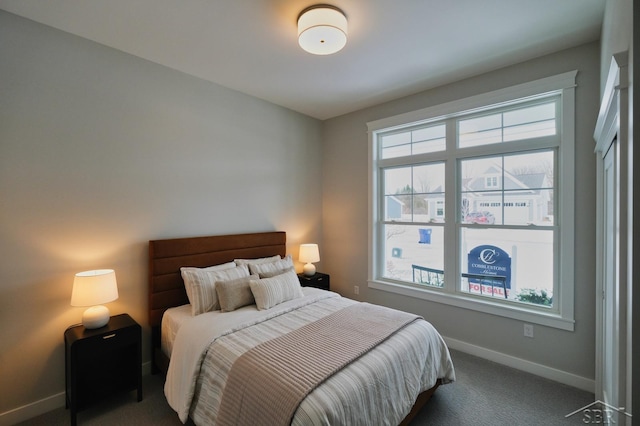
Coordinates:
<point>322,29</point>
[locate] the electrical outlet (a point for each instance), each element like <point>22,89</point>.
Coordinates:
<point>356,289</point>
<point>528,330</point>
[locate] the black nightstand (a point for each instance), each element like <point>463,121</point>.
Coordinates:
<point>102,361</point>
<point>318,280</point>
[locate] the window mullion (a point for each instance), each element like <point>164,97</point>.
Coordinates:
<point>451,240</point>
<point>502,182</point>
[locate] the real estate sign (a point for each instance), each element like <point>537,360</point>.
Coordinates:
<point>489,267</point>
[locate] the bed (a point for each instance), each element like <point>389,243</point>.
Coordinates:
<point>199,370</point>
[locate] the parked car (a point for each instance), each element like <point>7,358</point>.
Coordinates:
<point>483,218</point>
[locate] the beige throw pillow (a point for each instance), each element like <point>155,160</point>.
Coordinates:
<point>235,294</point>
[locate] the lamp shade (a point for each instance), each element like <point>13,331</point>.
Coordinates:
<point>308,254</point>
<point>91,288</point>
<point>94,287</point>
<point>322,29</point>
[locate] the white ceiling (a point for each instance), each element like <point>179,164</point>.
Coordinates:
<point>395,47</point>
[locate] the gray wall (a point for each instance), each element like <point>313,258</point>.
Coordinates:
<point>101,151</point>
<point>617,34</point>
<point>345,213</point>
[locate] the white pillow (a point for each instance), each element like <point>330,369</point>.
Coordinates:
<point>258,260</point>
<point>201,286</point>
<point>270,292</point>
<point>278,265</point>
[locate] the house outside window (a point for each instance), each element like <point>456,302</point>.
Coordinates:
<point>482,189</point>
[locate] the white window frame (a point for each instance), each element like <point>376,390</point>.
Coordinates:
<point>562,314</point>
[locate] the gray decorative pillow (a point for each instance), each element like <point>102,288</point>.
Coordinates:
<point>235,294</point>
<point>278,265</point>
<point>269,259</point>
<point>271,274</point>
<point>270,292</point>
<point>221,267</point>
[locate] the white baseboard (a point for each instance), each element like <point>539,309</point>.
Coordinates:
<point>550,373</point>
<point>43,406</point>
<point>32,410</point>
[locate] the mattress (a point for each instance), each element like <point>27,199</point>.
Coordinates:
<point>172,319</point>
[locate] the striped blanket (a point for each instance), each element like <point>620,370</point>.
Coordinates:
<point>379,388</point>
<point>267,383</point>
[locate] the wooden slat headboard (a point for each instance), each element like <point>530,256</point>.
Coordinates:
<point>166,257</point>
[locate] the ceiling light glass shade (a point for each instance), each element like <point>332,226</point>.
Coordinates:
<point>322,30</point>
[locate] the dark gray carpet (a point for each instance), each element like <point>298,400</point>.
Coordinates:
<point>489,394</point>
<point>485,393</point>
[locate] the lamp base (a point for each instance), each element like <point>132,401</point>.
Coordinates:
<point>309,269</point>
<point>95,317</point>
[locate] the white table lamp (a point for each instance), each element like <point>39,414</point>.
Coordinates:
<point>308,254</point>
<point>92,288</point>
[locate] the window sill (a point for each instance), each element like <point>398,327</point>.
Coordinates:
<point>549,319</point>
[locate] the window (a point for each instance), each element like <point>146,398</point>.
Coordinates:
<point>470,201</point>
<point>491,182</point>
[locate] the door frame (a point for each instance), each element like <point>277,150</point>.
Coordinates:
<point>612,125</point>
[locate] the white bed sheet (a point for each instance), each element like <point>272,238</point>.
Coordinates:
<point>172,320</point>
